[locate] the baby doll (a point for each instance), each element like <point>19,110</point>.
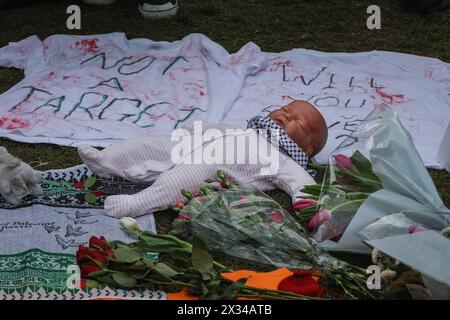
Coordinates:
<point>17,179</point>
<point>301,133</point>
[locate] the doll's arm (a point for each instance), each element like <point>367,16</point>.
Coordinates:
<point>137,160</point>
<point>291,177</point>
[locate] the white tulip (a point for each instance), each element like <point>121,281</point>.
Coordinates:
<point>388,275</point>
<point>446,232</point>
<point>130,224</point>
<point>376,256</point>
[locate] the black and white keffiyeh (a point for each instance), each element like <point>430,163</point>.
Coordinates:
<point>269,128</point>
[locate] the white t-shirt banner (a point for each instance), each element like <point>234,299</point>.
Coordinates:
<point>102,89</point>
<point>83,89</point>
<point>345,87</point>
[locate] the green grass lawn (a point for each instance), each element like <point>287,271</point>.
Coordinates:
<point>275,25</point>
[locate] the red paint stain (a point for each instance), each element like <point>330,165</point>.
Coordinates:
<point>50,74</point>
<point>202,93</point>
<point>13,123</point>
<point>66,77</point>
<point>171,76</point>
<point>235,60</point>
<point>429,73</point>
<point>277,64</point>
<point>287,63</point>
<point>287,97</point>
<point>87,45</point>
<point>194,84</point>
<point>390,98</point>
<point>3,120</point>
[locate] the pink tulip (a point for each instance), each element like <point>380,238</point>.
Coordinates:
<point>179,204</point>
<point>243,198</point>
<point>303,204</point>
<point>319,218</point>
<point>414,229</point>
<point>277,217</point>
<point>183,216</point>
<point>344,162</point>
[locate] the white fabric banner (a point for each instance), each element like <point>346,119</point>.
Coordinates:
<point>102,89</point>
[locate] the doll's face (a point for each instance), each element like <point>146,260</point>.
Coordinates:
<point>304,124</point>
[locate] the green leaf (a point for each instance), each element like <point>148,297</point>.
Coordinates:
<point>92,284</point>
<point>124,279</point>
<point>221,174</point>
<point>187,194</point>
<point>90,198</point>
<point>314,189</point>
<point>165,270</point>
<point>127,255</point>
<point>230,291</point>
<point>201,259</point>
<point>361,162</point>
<point>100,273</point>
<point>90,182</point>
<point>209,180</point>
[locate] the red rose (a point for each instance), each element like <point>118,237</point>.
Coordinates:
<point>92,258</point>
<point>303,283</point>
<point>98,256</point>
<point>88,268</point>
<point>79,185</point>
<point>82,254</point>
<point>99,243</point>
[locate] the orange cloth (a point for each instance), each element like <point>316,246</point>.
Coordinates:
<point>262,280</point>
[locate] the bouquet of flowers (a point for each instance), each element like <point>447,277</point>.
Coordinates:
<point>329,207</point>
<point>180,265</point>
<point>241,221</point>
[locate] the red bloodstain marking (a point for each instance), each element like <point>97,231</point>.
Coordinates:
<point>287,97</point>
<point>429,73</point>
<point>87,45</point>
<point>235,60</point>
<point>13,123</point>
<point>287,63</point>
<point>171,76</point>
<point>194,84</point>
<point>202,93</point>
<point>66,77</point>
<point>277,64</point>
<point>390,98</point>
<point>51,74</point>
<point>3,120</point>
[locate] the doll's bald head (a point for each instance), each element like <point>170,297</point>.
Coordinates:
<point>304,124</point>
